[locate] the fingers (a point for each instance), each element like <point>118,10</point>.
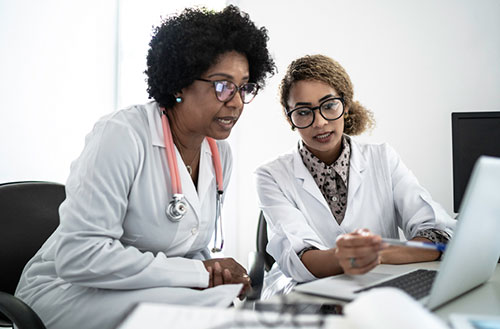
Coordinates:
<point>359,265</point>
<point>217,277</point>
<point>226,271</point>
<point>359,238</point>
<point>227,277</point>
<point>358,252</point>
<point>247,285</point>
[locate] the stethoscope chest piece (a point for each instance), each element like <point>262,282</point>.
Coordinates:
<point>177,208</point>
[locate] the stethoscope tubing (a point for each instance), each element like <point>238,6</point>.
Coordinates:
<point>170,153</point>
<point>174,170</point>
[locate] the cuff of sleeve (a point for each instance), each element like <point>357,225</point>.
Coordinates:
<point>434,235</point>
<point>300,271</point>
<point>181,272</point>
<point>303,251</point>
<point>204,276</point>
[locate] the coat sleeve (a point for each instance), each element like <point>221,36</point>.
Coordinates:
<point>288,231</point>
<point>415,209</point>
<point>89,252</point>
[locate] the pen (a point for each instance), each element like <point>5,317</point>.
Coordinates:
<point>417,244</point>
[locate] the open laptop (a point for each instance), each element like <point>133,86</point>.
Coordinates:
<point>470,257</point>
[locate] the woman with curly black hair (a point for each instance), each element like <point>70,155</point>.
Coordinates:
<point>143,199</point>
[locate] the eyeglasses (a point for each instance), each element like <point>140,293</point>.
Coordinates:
<point>330,109</point>
<point>281,315</point>
<point>225,90</point>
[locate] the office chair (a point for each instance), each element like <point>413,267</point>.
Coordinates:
<point>19,313</point>
<point>29,214</point>
<point>259,261</point>
<point>262,242</point>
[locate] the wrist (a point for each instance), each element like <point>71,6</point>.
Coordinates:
<point>303,251</point>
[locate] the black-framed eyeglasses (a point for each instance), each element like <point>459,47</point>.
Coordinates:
<point>330,109</point>
<point>225,90</point>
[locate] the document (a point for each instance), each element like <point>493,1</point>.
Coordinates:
<point>163,316</point>
<point>386,308</point>
<point>390,308</point>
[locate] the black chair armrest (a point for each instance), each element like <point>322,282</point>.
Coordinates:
<point>19,313</point>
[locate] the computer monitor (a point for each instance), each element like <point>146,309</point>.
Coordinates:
<point>473,134</point>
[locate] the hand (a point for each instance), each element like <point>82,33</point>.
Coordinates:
<point>227,271</point>
<point>358,252</point>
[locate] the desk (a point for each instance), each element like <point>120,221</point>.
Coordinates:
<point>484,300</point>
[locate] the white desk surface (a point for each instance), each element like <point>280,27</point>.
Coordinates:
<point>484,300</point>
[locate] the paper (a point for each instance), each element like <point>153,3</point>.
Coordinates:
<point>164,316</point>
<point>390,308</point>
<point>386,308</point>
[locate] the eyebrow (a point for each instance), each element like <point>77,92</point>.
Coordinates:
<point>325,97</point>
<point>319,101</point>
<point>227,76</point>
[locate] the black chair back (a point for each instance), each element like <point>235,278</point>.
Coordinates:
<point>29,214</point>
<point>262,242</point>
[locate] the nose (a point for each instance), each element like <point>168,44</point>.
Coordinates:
<point>236,102</point>
<point>319,121</point>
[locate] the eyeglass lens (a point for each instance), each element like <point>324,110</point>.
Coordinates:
<point>225,91</point>
<point>331,109</point>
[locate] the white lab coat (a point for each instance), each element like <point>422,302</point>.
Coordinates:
<point>382,196</point>
<point>115,246</point>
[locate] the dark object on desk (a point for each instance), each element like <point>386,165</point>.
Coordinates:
<point>29,216</point>
<point>299,308</point>
<point>262,242</point>
<point>473,134</point>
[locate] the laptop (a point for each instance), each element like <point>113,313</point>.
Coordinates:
<point>476,233</point>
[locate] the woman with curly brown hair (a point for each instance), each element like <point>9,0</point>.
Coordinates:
<point>143,199</point>
<point>329,203</point>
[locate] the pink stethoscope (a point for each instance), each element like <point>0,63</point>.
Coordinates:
<point>177,208</point>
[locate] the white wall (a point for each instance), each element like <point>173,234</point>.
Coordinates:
<point>411,62</point>
<point>57,74</point>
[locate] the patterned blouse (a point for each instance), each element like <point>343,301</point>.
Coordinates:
<point>333,182</point>
<point>331,179</point>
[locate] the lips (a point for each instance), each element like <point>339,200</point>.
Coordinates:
<point>324,136</point>
<point>226,122</point>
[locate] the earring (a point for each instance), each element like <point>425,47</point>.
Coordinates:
<point>178,99</point>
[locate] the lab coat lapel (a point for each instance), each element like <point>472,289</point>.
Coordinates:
<point>305,178</point>
<point>206,174</point>
<point>155,127</point>
<point>356,176</point>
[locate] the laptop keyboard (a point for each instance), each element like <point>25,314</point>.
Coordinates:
<point>417,283</point>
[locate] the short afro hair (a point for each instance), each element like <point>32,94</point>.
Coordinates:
<point>186,45</point>
<point>324,69</point>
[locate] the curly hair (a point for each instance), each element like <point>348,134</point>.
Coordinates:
<point>324,69</point>
<point>186,45</point>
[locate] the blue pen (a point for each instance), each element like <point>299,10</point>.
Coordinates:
<point>417,244</point>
